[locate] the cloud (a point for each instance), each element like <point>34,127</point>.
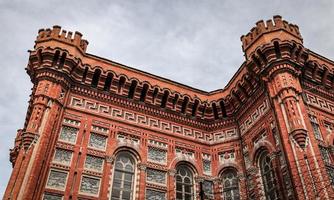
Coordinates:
<point>193,42</point>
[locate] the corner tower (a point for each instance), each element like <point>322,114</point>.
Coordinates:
<point>54,64</point>
<point>274,52</point>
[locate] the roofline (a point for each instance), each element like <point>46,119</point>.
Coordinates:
<point>155,76</point>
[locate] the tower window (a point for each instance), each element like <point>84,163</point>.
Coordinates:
<point>108,81</point>
<point>143,93</point>
<point>215,111</point>
<point>164,99</point>
<point>132,89</point>
<point>96,78</point>
<point>121,84</point>
<point>222,107</point>
<point>55,58</point>
<point>62,60</point>
<point>154,95</point>
<point>184,105</point>
<point>277,50</point>
<point>84,75</point>
<point>195,107</point>
<point>175,100</point>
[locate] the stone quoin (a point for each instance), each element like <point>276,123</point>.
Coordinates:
<point>97,129</point>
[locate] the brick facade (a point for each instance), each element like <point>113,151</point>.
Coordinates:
<point>270,131</point>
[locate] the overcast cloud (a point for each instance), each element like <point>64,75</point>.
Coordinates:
<point>193,42</point>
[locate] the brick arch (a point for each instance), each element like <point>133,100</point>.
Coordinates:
<point>136,156</point>
<point>127,148</point>
<point>123,75</point>
<point>178,161</point>
<point>259,148</point>
<point>227,166</point>
<point>134,79</point>
<point>141,83</point>
<point>93,68</point>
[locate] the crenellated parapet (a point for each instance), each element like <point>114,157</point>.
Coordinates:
<point>264,33</point>
<point>275,41</point>
<point>63,36</point>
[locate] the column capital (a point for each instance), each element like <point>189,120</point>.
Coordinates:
<point>110,159</point>
<point>142,166</point>
<point>171,172</point>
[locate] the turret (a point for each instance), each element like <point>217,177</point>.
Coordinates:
<point>264,33</point>
<point>47,37</point>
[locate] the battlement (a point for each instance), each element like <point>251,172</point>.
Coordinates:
<point>63,36</point>
<point>275,25</point>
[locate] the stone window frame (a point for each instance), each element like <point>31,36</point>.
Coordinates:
<point>92,177</point>
<point>159,149</point>
<point>190,174</point>
<point>99,134</point>
<point>154,189</point>
<point>155,183</point>
<point>210,164</point>
<point>66,141</point>
<point>265,159</point>
<point>316,127</point>
<point>89,169</point>
<point>58,170</point>
<point>135,174</point>
<point>54,194</point>
<point>54,155</point>
<point>235,188</point>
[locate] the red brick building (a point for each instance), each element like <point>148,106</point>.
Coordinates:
<point>96,129</point>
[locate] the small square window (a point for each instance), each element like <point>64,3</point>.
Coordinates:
<point>57,179</point>
<point>62,156</point>
<point>68,134</point>
<point>97,141</point>
<point>90,185</point>
<point>94,163</point>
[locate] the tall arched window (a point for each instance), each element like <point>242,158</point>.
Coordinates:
<point>230,185</point>
<point>268,176</point>
<point>184,183</point>
<point>123,180</point>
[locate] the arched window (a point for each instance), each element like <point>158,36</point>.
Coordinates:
<point>132,89</point>
<point>164,99</point>
<point>184,105</point>
<point>84,75</point>
<point>62,60</point>
<point>230,185</point>
<point>55,58</point>
<point>96,78</point>
<point>268,176</point>
<point>108,82</point>
<point>184,183</point>
<point>215,111</point>
<point>123,180</point>
<point>143,92</point>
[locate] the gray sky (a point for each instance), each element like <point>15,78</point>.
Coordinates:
<point>193,42</point>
